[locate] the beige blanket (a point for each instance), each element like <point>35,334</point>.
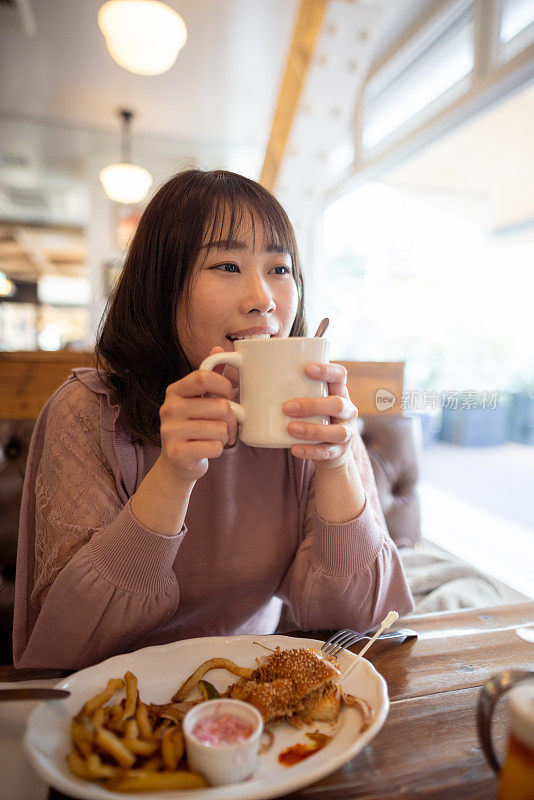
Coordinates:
<point>441,582</point>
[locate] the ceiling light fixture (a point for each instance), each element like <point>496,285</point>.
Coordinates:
<point>143,36</point>
<point>125,182</point>
<point>7,287</point>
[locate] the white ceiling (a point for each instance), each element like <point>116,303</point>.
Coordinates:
<point>60,91</point>
<point>219,95</point>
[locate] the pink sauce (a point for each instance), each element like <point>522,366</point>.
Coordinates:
<point>225,729</point>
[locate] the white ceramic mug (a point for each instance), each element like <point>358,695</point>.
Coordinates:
<point>271,371</point>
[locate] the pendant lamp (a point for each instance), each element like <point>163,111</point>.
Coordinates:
<point>143,36</point>
<point>7,287</point>
<point>125,182</point>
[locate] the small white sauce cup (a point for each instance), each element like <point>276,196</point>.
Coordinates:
<point>226,763</point>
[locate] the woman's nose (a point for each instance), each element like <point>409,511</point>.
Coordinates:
<point>258,297</point>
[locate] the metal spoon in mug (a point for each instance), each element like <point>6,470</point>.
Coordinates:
<point>323,325</point>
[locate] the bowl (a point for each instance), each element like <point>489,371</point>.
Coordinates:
<point>223,763</point>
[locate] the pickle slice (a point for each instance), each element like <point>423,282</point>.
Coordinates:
<point>207,690</point>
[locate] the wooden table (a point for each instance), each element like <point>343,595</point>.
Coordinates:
<point>428,747</point>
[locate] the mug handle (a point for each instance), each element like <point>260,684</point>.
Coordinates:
<point>487,700</point>
<point>233,360</point>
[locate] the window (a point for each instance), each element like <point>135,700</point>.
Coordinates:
<point>516,16</point>
<point>517,26</point>
<point>410,83</point>
<point>432,262</point>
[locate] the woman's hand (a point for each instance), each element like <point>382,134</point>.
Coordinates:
<point>195,427</point>
<point>334,447</point>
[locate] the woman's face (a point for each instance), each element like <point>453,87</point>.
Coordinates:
<point>238,289</point>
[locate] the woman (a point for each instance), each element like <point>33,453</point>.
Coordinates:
<point>144,519</point>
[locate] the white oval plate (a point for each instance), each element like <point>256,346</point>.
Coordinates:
<point>160,670</point>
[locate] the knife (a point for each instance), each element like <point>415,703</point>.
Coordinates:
<point>33,694</point>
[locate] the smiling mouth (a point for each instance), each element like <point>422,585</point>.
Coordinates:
<point>250,336</point>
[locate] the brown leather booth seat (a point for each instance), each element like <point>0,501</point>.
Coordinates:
<point>14,445</point>
<point>391,443</point>
<point>389,439</point>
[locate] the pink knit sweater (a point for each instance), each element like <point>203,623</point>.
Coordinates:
<point>93,582</point>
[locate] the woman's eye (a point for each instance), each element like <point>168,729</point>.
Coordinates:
<point>232,267</point>
<point>287,270</point>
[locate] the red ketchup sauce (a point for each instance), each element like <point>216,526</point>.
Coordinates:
<point>300,751</point>
<point>221,730</point>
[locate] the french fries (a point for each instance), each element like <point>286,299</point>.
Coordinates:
<point>82,738</point>
<point>78,766</point>
<point>143,723</point>
<point>141,748</point>
<point>101,699</point>
<point>129,746</point>
<point>172,747</point>
<point>110,744</point>
<point>97,769</point>
<point>130,705</point>
<point>154,781</point>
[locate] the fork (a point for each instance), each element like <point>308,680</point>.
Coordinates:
<point>346,637</point>
<point>340,640</point>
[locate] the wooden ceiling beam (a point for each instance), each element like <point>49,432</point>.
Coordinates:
<point>310,18</point>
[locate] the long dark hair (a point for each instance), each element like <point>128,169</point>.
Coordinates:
<point>138,351</point>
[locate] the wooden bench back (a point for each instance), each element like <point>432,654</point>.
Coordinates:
<point>366,378</point>
<point>27,379</point>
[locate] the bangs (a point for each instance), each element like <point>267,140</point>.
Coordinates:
<point>234,207</point>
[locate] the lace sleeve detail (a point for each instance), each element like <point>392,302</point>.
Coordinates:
<point>75,486</point>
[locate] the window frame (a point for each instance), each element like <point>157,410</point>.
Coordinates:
<point>491,79</point>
